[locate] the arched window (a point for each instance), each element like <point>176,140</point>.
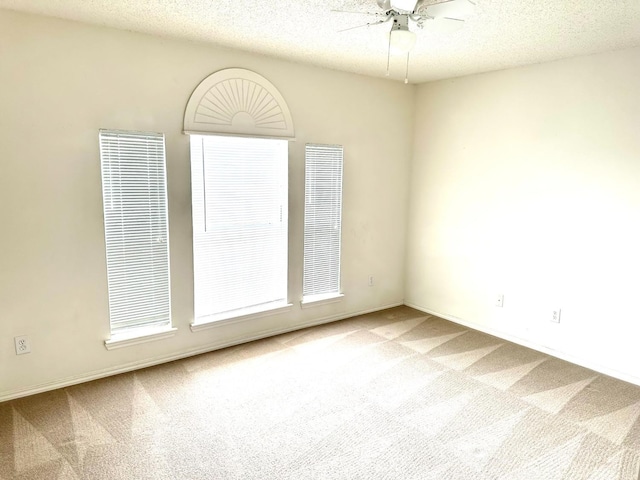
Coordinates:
<point>239,126</point>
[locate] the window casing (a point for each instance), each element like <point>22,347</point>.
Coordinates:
<point>136,231</point>
<point>240,225</point>
<point>322,222</point>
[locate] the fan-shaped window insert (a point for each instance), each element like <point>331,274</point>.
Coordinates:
<point>236,101</point>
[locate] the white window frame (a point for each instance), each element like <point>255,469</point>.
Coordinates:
<point>324,166</point>
<point>222,295</point>
<point>134,189</point>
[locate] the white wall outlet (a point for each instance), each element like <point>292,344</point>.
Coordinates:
<point>500,300</point>
<point>555,315</point>
<point>22,345</point>
<point>371,281</point>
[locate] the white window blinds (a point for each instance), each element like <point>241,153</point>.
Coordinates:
<point>322,221</point>
<point>240,224</point>
<point>136,229</point>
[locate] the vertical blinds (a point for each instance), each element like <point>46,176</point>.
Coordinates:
<point>136,229</point>
<point>239,193</point>
<point>322,220</point>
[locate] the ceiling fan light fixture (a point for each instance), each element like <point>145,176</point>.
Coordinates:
<point>401,41</point>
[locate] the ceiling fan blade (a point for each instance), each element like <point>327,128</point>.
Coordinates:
<point>404,5</point>
<point>365,25</point>
<point>455,9</point>
<point>374,14</point>
<point>443,25</point>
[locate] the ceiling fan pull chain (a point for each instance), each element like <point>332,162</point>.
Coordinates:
<point>388,55</point>
<point>406,73</point>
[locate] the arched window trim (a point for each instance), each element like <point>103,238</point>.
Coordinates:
<point>236,101</point>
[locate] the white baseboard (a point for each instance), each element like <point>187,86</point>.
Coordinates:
<point>534,346</point>
<point>107,372</point>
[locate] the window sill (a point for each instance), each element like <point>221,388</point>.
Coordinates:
<point>140,336</point>
<point>220,320</point>
<point>317,300</point>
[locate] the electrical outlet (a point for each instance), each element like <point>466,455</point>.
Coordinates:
<point>500,300</point>
<point>22,345</point>
<point>555,315</point>
<point>371,281</point>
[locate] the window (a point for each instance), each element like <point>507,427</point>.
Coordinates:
<point>322,222</point>
<point>240,225</point>
<point>136,231</point>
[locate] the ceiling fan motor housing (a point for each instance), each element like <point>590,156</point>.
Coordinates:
<point>400,22</point>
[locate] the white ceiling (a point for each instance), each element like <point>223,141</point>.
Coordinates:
<point>502,33</point>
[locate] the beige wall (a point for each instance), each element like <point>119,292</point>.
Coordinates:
<point>526,182</point>
<point>62,81</point>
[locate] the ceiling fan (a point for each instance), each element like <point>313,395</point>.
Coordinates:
<point>439,16</point>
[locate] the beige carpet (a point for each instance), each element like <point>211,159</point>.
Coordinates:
<point>391,395</point>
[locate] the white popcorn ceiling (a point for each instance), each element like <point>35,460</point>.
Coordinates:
<point>502,33</point>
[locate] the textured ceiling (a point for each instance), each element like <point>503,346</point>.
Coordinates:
<point>502,33</point>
